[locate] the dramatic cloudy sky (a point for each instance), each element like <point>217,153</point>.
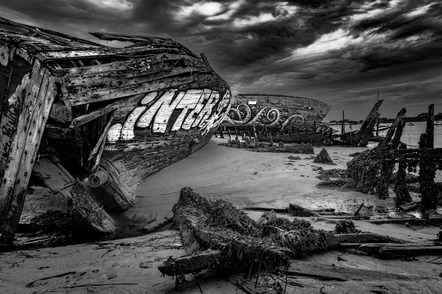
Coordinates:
<point>337,51</point>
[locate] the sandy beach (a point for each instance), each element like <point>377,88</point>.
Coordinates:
<point>246,179</point>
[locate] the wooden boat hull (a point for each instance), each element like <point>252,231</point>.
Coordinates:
<point>110,116</point>
<point>280,118</point>
<point>275,111</point>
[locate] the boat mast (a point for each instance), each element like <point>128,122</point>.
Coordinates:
<point>379,118</point>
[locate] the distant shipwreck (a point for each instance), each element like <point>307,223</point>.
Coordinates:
<point>279,118</point>
<point>93,121</point>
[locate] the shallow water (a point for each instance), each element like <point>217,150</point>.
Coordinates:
<point>411,133</point>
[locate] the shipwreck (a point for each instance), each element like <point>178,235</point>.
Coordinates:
<point>93,121</point>
<point>279,118</point>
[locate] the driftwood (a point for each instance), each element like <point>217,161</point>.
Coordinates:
<point>390,251</point>
<point>216,235</point>
<point>296,210</point>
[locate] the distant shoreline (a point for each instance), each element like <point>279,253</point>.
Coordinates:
<point>419,118</point>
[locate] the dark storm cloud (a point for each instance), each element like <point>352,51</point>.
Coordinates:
<point>67,16</point>
<point>339,51</point>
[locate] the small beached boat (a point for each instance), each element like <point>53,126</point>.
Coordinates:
<point>93,121</point>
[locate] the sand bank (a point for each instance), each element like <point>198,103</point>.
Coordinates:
<point>246,178</point>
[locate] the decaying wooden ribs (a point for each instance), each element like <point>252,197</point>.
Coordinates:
<point>113,115</point>
<point>372,170</point>
<point>217,235</point>
<point>360,137</point>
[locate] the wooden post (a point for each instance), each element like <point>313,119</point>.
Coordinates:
<point>237,138</point>
<point>377,126</point>
<point>256,136</point>
<point>388,166</point>
<point>400,186</point>
<point>384,180</point>
<point>266,131</point>
<point>427,168</point>
<point>343,124</point>
<point>430,127</point>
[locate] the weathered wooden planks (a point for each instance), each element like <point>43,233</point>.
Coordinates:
<point>137,65</point>
<point>53,36</point>
<point>62,53</point>
<point>38,97</point>
<point>118,80</point>
<point>58,180</point>
<point>158,83</point>
<point>99,147</point>
<point>144,70</point>
<point>8,115</point>
<point>153,41</point>
<point>131,101</point>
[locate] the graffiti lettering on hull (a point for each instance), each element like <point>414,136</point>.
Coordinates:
<point>195,108</point>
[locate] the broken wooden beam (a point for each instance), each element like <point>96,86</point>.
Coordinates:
<point>391,251</point>
<point>191,264</point>
<point>393,127</point>
<point>33,102</point>
<point>361,137</point>
<point>82,202</point>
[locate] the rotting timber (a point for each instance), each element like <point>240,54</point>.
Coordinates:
<point>216,235</point>
<point>361,137</point>
<point>93,121</point>
<point>372,170</point>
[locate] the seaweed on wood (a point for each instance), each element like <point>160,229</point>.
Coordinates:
<point>216,235</point>
<point>372,170</point>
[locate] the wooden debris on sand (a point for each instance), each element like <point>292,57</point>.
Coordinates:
<point>275,148</point>
<point>216,235</point>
